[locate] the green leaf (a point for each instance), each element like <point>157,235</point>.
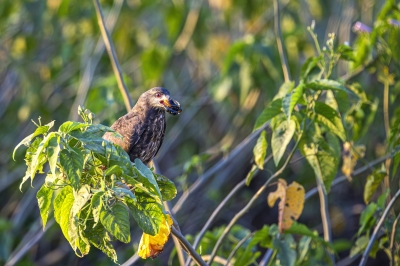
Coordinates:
<point>28,159</point>
<point>323,156</point>
<point>382,199</point>
<point>121,192</point>
<point>359,246</point>
<point>272,110</point>
<point>285,88</point>
<point>281,136</point>
<point>326,84</point>
<point>114,169</point>
<point>72,165</point>
<point>327,116</point>
<point>53,149</point>
<point>250,174</point>
<point>367,219</point>
<point>308,66</point>
<point>301,229</point>
<point>98,237</point>
<point>167,188</point>
<point>39,131</point>
<point>44,197</point>
<point>248,256</point>
<point>116,221</point>
<point>373,181</point>
<point>286,254</point>
<point>291,99</point>
<point>147,212</point>
<point>62,208</point>
<point>81,197</point>
<point>97,205</point>
<point>69,126</point>
<point>146,176</point>
<point>346,52</point>
<point>260,150</point>
<point>303,247</point>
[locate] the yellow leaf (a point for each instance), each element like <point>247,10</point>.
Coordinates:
<point>291,202</point>
<point>350,157</point>
<point>152,246</point>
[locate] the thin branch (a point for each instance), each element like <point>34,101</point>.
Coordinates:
<point>377,228</point>
<point>392,238</point>
<point>217,167</point>
<point>342,178</point>
<point>267,257</point>
<point>251,202</point>
<point>177,243</point>
<point>113,56</point>
<point>238,246</point>
<point>281,49</point>
<point>326,222</point>
<point>196,257</point>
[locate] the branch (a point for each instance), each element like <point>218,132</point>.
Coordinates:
<point>251,202</point>
<point>238,246</point>
<point>278,34</point>
<point>179,251</point>
<point>392,238</point>
<point>217,167</point>
<point>196,257</point>
<point>376,230</point>
<point>113,57</point>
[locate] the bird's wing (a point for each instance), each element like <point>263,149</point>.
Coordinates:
<point>162,133</point>
<point>130,127</point>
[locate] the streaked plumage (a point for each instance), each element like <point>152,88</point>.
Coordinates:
<point>143,128</point>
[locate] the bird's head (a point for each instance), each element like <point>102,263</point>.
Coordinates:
<point>159,98</point>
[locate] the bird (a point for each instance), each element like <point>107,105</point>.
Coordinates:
<point>143,127</point>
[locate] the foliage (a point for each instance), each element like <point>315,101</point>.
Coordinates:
<point>95,186</point>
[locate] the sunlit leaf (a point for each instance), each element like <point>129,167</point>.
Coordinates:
<point>97,204</point>
<point>291,99</point>
<point>167,187</point>
<point>373,181</point>
<point>250,174</point>
<point>281,137</point>
<point>284,89</point>
<point>44,197</point>
<point>260,150</point>
<point>151,246</point>
<point>146,176</point>
<point>62,208</point>
<point>116,221</point>
<point>326,84</point>
<point>272,110</point>
<point>350,157</point>
<point>53,150</point>
<point>291,203</point>
<point>69,126</point>
<point>147,212</point>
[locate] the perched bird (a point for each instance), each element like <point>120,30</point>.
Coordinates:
<point>143,127</point>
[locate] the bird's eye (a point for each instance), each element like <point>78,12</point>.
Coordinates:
<point>158,95</point>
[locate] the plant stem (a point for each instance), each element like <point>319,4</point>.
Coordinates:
<point>250,203</point>
<point>392,239</point>
<point>196,257</point>
<point>376,230</point>
<point>113,57</point>
<point>238,246</point>
<point>181,256</point>
<point>278,34</point>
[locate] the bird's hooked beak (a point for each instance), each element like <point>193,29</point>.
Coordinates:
<point>172,106</point>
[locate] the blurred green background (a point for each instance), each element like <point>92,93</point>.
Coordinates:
<point>218,58</point>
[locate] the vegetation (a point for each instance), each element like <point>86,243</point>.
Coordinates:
<point>268,107</point>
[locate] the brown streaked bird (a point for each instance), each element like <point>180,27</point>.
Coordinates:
<point>143,128</point>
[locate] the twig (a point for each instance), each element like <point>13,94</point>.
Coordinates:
<point>218,209</point>
<point>326,222</point>
<point>196,257</point>
<point>376,230</point>
<point>392,239</point>
<point>218,166</point>
<point>238,246</point>
<point>131,260</point>
<point>278,33</point>
<point>217,259</point>
<point>342,178</point>
<point>25,248</point>
<point>113,57</point>
<point>267,257</point>
<point>251,202</point>
<point>177,243</point>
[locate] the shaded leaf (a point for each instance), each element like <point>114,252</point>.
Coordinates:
<point>116,221</point>
<point>329,117</point>
<point>44,197</point>
<point>152,246</point>
<point>373,181</point>
<point>308,66</point>
<point>53,150</point>
<point>97,205</point>
<point>272,110</point>
<point>286,253</point>
<point>260,150</point>
<point>146,176</point>
<point>326,84</point>
<point>167,187</point>
<point>250,174</point>
<point>281,137</point>
<point>367,219</point>
<point>350,157</point>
